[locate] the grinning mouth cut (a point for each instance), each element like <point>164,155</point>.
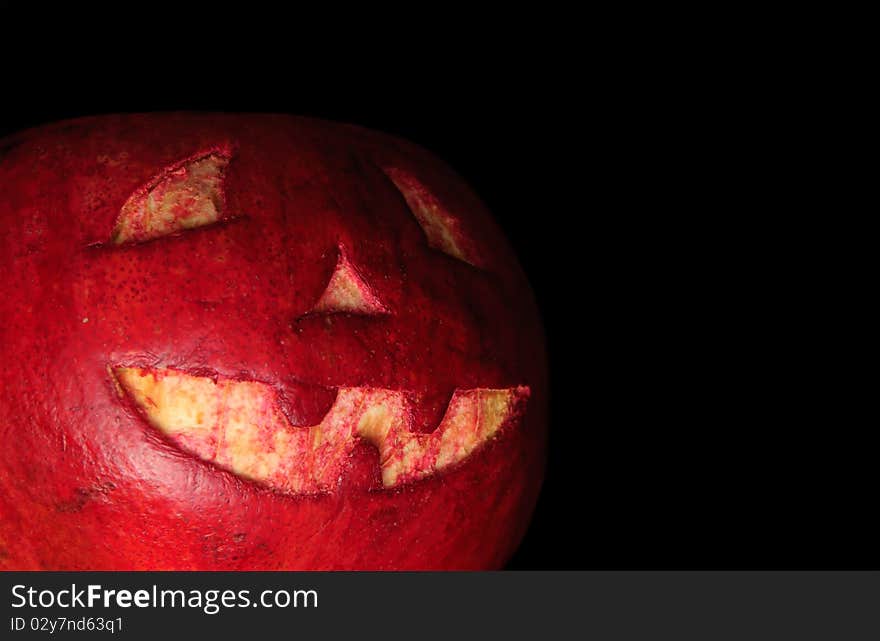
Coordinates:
<point>239,426</point>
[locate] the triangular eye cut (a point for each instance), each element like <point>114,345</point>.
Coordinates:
<point>347,291</point>
<point>186,195</point>
<point>441,228</point>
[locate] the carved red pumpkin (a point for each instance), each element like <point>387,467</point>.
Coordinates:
<point>258,342</point>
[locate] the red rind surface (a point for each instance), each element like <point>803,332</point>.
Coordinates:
<point>85,483</point>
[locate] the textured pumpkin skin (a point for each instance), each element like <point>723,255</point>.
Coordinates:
<point>87,484</point>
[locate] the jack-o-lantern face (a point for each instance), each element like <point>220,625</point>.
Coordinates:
<point>258,343</point>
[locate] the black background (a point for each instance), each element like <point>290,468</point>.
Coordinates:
<point>691,424</point>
